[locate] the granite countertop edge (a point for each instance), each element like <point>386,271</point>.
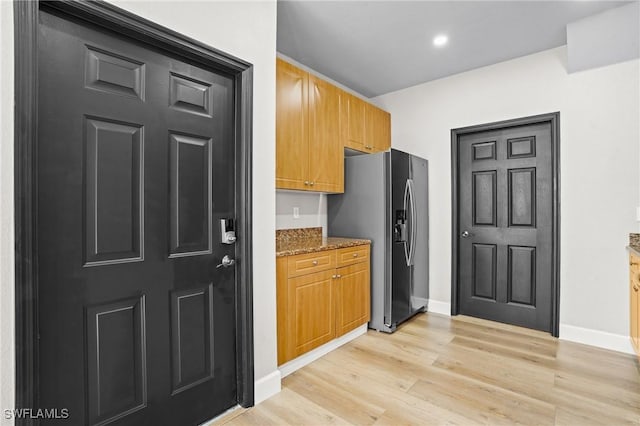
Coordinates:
<point>313,246</point>
<point>634,249</point>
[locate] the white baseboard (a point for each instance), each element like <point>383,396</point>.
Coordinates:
<point>267,386</point>
<point>437,307</point>
<point>601,339</point>
<point>309,357</point>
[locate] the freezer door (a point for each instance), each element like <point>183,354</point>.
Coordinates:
<point>399,304</point>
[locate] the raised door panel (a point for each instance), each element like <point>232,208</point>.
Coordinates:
<point>190,169</point>
<point>352,111</point>
<point>353,297</point>
<point>113,182</point>
<point>311,300</point>
<point>378,129</point>
<point>484,271</point>
<point>191,337</point>
<point>521,275</point>
<point>116,360</point>
<point>292,137</point>
<point>326,167</point>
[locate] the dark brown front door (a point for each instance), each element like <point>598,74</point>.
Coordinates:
<point>135,169</point>
<point>505,225</point>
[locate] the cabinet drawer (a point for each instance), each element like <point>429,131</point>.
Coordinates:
<point>351,255</point>
<point>302,264</point>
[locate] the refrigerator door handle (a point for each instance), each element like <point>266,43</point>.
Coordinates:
<point>407,253</point>
<point>414,229</point>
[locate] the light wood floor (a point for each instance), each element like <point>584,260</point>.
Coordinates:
<point>438,370</point>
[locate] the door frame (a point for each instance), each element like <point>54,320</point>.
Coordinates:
<point>26,25</point>
<point>554,120</point>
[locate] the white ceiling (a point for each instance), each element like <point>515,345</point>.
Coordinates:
<point>376,47</point>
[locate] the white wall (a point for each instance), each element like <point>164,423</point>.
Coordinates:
<point>312,210</point>
<point>241,28</point>
<point>7,342</point>
<point>606,38</point>
<point>600,168</point>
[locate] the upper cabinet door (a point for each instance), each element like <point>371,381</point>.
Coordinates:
<point>292,135</point>
<point>326,171</point>
<point>378,129</point>
<point>353,124</point>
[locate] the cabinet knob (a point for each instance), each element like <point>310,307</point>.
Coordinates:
<point>306,182</point>
<point>635,288</point>
<point>355,254</point>
<point>314,263</point>
<point>338,276</point>
<point>311,183</point>
<point>333,276</point>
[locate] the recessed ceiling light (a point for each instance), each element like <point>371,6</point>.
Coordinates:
<point>440,40</point>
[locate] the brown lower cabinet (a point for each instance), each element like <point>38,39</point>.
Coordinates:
<point>634,290</point>
<point>320,296</point>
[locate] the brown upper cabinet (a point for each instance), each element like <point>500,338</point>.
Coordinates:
<point>309,154</point>
<point>315,120</point>
<point>378,129</point>
<point>365,127</point>
<point>352,111</point>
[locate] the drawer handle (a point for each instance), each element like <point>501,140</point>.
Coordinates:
<point>314,263</point>
<point>355,254</point>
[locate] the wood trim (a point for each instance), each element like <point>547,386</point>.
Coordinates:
<point>244,252</point>
<point>455,231</point>
<point>554,120</point>
<point>25,163</point>
<point>26,130</point>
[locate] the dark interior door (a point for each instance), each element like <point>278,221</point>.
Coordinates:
<point>506,225</point>
<point>135,169</point>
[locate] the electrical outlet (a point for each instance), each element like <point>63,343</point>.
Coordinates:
<point>296,213</point>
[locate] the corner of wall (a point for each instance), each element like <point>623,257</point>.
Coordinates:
<point>267,386</point>
<point>600,339</point>
<point>7,257</point>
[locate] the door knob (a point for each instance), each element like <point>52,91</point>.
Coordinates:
<point>466,234</point>
<point>226,262</point>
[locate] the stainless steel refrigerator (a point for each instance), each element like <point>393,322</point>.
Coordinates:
<point>386,200</point>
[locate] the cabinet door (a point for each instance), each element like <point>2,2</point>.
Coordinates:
<point>311,302</point>
<point>352,114</point>
<point>378,129</point>
<point>326,166</point>
<point>292,134</point>
<point>353,297</point>
<point>634,296</point>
